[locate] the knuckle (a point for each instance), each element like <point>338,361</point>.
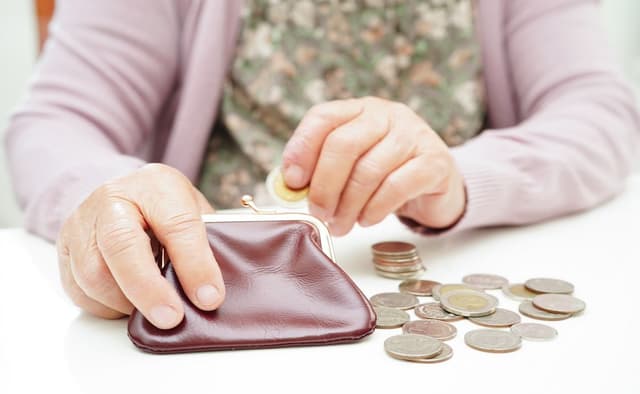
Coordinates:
<point>116,239</point>
<point>95,279</point>
<point>340,143</point>
<point>181,225</point>
<point>367,174</point>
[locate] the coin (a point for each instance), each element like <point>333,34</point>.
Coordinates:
<point>419,287</point>
<point>468,303</point>
<point>392,261</point>
<point>518,292</point>
<point>549,285</point>
<point>390,317</point>
<point>528,309</point>
<point>559,303</point>
<point>445,354</point>
<point>395,300</point>
<point>485,281</point>
<point>393,248</point>
<point>534,331</point>
<point>399,269</point>
<point>438,290</point>
<point>281,192</point>
<point>412,346</point>
<point>494,341</point>
<point>400,275</point>
<point>499,318</point>
<point>433,310</point>
<point>432,328</point>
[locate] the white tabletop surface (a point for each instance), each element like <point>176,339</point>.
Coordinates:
<point>46,343</point>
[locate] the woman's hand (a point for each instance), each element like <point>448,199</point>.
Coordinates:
<point>365,158</point>
<point>106,261</point>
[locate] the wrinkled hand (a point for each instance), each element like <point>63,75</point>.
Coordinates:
<point>105,256</point>
<point>366,158</point>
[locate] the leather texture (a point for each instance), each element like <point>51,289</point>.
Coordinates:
<point>281,290</point>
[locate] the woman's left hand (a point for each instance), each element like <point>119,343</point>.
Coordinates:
<point>366,158</point>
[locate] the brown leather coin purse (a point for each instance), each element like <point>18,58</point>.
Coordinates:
<point>282,289</point>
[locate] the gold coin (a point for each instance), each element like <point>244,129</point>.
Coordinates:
<point>275,183</point>
<point>518,292</point>
<point>468,303</point>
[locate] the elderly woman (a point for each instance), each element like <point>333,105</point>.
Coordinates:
<point>453,114</point>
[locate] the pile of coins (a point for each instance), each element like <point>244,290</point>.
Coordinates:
<point>423,340</point>
<point>397,260</point>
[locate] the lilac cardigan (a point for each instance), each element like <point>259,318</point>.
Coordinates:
<point>123,82</point>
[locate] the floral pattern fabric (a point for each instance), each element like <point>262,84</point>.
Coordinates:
<point>291,55</point>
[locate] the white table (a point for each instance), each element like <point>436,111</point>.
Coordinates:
<point>46,343</point>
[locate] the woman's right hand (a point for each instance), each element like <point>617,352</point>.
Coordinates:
<point>105,256</point>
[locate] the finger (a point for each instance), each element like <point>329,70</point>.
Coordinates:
<point>92,275</point>
<point>301,152</point>
<point>340,151</point>
<point>203,203</point>
<point>174,216</point>
<point>417,176</point>
<point>125,248</point>
<point>368,174</point>
<point>75,293</point>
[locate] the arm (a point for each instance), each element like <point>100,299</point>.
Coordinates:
<point>579,128</point>
<point>102,79</point>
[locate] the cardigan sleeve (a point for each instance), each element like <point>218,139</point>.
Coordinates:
<point>579,128</point>
<point>104,74</point>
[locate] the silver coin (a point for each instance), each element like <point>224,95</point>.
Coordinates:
<point>418,287</point>
<point>468,303</point>
<point>412,346</point>
<point>400,275</point>
<point>390,317</point>
<point>559,303</point>
<point>518,292</point>
<point>445,354</point>
<point>432,328</point>
<point>395,300</point>
<point>494,341</point>
<point>433,310</point>
<point>399,269</point>
<point>485,281</point>
<point>499,318</point>
<point>396,261</point>
<point>437,291</point>
<point>528,309</point>
<point>549,285</point>
<point>534,331</point>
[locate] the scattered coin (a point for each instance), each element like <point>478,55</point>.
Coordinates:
<point>485,281</point>
<point>499,318</point>
<point>494,341</point>
<point>433,310</point>
<point>412,346</point>
<point>445,354</point>
<point>395,300</point>
<point>518,292</point>
<point>559,303</point>
<point>438,290</point>
<point>283,194</point>
<point>534,331</point>
<point>468,303</point>
<point>528,309</point>
<point>549,285</point>
<point>418,287</point>
<point>390,317</point>
<point>432,328</point>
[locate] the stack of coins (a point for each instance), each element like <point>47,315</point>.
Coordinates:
<point>423,340</point>
<point>397,260</point>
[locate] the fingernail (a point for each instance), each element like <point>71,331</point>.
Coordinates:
<point>294,176</point>
<point>207,295</point>
<point>163,316</point>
